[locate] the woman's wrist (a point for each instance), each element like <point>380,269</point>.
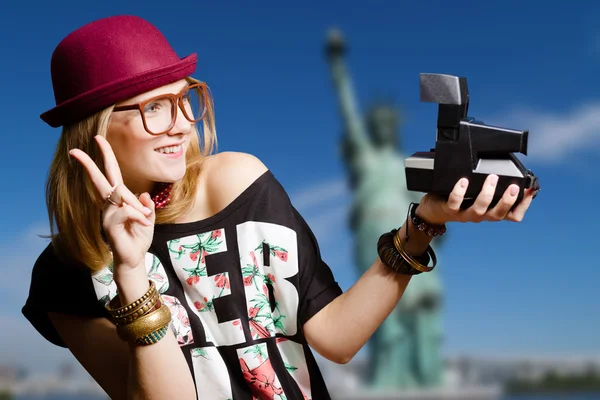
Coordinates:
<point>425,215</point>
<point>419,231</point>
<point>418,240</point>
<point>131,283</point>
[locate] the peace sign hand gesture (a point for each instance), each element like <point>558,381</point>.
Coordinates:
<point>127,221</point>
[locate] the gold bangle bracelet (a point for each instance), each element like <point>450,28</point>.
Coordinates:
<point>145,325</point>
<point>410,259</point>
<point>151,297</point>
<point>138,312</point>
<point>118,312</point>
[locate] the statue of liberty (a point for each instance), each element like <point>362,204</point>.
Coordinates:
<point>405,351</point>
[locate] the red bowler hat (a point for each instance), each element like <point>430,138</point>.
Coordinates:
<point>107,61</point>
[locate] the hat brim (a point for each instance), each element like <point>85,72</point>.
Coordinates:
<point>87,103</point>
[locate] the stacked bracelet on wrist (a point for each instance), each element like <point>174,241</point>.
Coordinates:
<point>145,321</point>
<point>393,254</point>
<point>393,259</point>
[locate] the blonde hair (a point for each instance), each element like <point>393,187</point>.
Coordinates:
<point>74,205</point>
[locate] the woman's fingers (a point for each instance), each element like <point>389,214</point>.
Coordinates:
<point>457,195</point>
<point>121,195</point>
<point>147,202</point>
<point>441,212</point>
<point>519,211</point>
<point>500,210</point>
<point>124,214</point>
<point>96,176</point>
<point>111,166</point>
<point>113,173</point>
<point>480,207</point>
<point>112,189</point>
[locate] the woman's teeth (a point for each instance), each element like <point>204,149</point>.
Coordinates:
<point>169,149</point>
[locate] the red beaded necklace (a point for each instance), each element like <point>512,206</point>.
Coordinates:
<point>162,195</point>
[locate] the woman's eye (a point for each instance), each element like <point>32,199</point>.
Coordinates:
<point>152,107</point>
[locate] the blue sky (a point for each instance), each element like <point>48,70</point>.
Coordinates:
<point>526,289</point>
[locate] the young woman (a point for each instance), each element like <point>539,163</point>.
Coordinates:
<point>176,273</point>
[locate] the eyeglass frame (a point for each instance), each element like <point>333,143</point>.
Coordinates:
<point>176,99</point>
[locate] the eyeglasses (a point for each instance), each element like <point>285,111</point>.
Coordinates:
<point>160,112</point>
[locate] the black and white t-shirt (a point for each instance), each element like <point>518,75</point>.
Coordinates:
<point>240,285</point>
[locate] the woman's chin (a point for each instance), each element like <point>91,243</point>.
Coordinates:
<point>170,176</point>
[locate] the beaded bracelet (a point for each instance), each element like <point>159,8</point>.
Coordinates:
<point>144,308</point>
<point>124,310</point>
<point>152,306</point>
<point>153,337</point>
<point>421,225</point>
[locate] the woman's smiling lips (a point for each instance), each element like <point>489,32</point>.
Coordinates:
<point>171,151</point>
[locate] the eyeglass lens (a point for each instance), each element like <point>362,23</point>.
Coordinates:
<point>160,113</point>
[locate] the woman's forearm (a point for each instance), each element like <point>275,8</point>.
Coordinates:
<point>342,328</point>
<point>157,371</point>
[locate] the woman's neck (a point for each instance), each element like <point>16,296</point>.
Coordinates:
<point>138,187</point>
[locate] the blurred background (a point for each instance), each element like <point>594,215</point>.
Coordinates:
<point>517,309</point>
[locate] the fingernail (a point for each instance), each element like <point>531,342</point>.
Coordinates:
<point>148,222</point>
<point>464,182</point>
<point>514,190</point>
<point>494,180</point>
<point>147,211</point>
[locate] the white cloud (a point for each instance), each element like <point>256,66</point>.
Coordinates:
<point>554,136</point>
<point>330,222</point>
<point>320,192</point>
<point>325,205</point>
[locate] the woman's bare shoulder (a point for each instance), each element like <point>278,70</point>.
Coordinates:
<point>226,175</point>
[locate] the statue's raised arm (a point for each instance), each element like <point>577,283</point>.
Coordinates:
<point>356,134</point>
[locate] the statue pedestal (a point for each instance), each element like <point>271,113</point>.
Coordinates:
<point>448,393</point>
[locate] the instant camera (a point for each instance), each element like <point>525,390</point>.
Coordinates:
<point>466,148</point>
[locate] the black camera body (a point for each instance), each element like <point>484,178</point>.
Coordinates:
<point>466,148</point>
